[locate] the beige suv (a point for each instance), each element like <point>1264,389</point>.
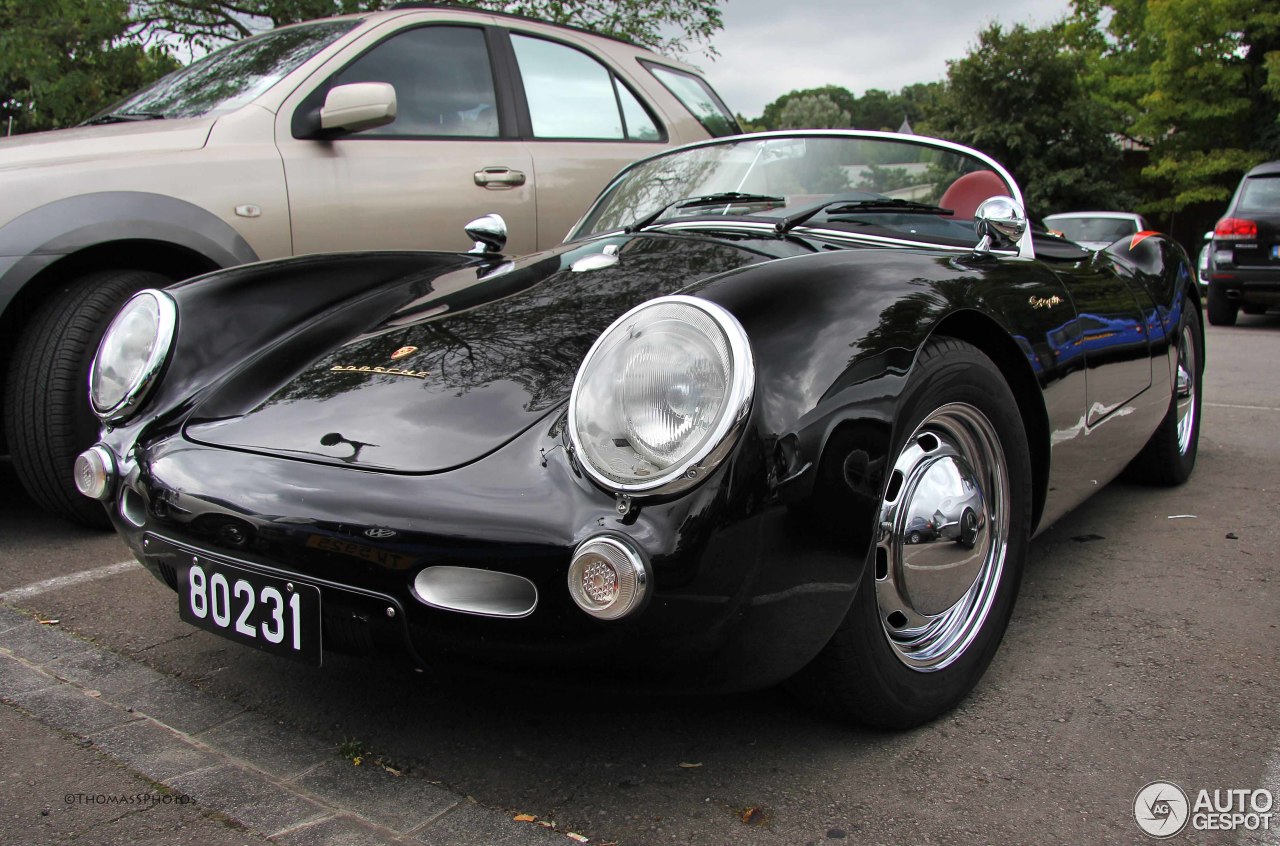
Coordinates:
<point>380,131</point>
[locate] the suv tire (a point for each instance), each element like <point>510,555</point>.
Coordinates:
<point>1222,312</point>
<point>47,418</point>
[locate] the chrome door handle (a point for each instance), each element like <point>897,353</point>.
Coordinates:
<point>499,177</point>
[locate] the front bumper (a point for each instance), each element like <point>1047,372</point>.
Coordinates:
<point>745,590</point>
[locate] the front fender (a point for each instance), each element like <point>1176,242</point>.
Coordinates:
<point>43,235</point>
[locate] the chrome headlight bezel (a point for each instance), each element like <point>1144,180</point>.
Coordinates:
<point>147,371</point>
<point>691,467</point>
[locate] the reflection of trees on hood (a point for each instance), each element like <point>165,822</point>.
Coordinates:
<point>534,331</point>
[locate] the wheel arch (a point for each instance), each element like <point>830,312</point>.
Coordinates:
<point>983,332</point>
<point>125,230</point>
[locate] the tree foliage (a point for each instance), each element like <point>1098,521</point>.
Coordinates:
<point>63,60</point>
<point>1020,96</point>
<point>672,26</point>
<point>875,109</point>
<point>813,111</point>
<point>1198,81</point>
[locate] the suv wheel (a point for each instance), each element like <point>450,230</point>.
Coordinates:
<point>47,418</point>
<point>1222,312</point>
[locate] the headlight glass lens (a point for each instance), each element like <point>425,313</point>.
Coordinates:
<point>130,354</point>
<point>659,391</point>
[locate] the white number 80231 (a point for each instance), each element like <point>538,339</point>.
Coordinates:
<point>211,597</point>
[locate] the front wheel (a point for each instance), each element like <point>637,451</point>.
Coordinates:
<point>48,421</point>
<point>927,619</point>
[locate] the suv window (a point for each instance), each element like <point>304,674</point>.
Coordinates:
<point>1259,194</point>
<point>443,81</point>
<point>234,75</point>
<point>571,95</point>
<point>698,98</point>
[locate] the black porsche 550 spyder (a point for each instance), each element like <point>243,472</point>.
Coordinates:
<point>783,406</point>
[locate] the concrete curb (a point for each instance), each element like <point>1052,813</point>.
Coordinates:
<point>288,786</point>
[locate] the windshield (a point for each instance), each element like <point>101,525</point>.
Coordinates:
<point>231,77</point>
<point>876,186</point>
<point>1260,194</point>
<point>1102,229</point>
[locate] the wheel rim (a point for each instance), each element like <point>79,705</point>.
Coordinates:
<point>1186,390</point>
<point>934,597</point>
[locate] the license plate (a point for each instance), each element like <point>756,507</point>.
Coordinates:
<point>275,615</point>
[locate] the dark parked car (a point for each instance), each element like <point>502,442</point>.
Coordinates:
<point>1244,261</point>
<point>683,450</point>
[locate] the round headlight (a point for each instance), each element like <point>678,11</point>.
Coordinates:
<point>659,394</point>
<point>131,353</point>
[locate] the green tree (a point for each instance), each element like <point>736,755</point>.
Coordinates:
<point>813,111</point>
<point>772,116</point>
<point>1198,81</point>
<point>1021,96</point>
<point>673,26</point>
<point>63,60</point>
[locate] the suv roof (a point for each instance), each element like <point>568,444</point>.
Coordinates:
<point>1265,169</point>
<point>427,4</point>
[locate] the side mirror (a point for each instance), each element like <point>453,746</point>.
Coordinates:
<point>357,106</point>
<point>1000,223</point>
<point>489,233</point>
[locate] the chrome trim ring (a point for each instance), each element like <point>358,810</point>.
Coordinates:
<point>166,330</point>
<point>606,565</point>
<point>95,472</point>
<point>694,466</point>
<point>949,493</point>
<point>1186,390</point>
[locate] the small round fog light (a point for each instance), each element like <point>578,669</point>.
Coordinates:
<point>95,470</point>
<point>607,578</point>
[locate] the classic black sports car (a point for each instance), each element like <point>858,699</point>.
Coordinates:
<point>684,450</point>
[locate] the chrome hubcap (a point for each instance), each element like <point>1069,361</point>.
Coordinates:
<point>1186,389</point>
<point>944,528</point>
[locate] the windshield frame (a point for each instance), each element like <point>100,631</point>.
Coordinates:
<point>1023,248</point>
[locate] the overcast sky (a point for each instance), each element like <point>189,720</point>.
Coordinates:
<point>770,47</point>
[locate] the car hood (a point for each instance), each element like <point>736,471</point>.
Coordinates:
<point>93,142</point>
<point>453,369</point>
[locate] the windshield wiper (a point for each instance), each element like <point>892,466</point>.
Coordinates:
<point>124,117</point>
<point>723,198</point>
<point>845,206</point>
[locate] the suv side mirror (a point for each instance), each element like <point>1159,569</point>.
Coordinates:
<point>357,106</point>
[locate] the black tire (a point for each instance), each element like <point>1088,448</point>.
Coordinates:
<point>1222,312</point>
<point>859,675</point>
<point>47,418</point>
<point>1169,456</point>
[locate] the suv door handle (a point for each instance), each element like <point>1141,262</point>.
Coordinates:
<point>499,177</point>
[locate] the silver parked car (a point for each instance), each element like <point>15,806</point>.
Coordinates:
<point>374,131</point>
<point>1096,229</point>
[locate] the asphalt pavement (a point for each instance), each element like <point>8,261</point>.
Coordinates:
<point>1144,648</point>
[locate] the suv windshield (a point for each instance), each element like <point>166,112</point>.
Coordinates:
<point>877,186</point>
<point>231,77</point>
<point>1260,194</point>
